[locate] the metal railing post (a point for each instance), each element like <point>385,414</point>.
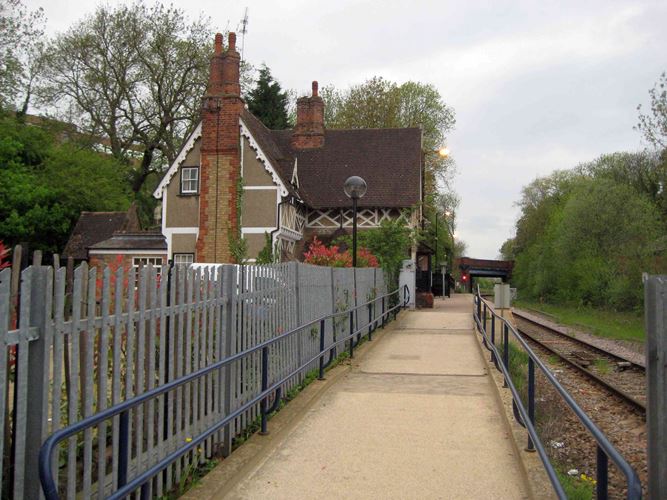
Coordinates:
<point>123,448</point>
<point>506,350</point>
<point>370,321</point>
<point>383,315</point>
<point>146,490</point>
<point>531,399</point>
<point>321,375</point>
<point>602,474</point>
<point>484,328</point>
<point>351,336</point>
<point>265,386</point>
<point>493,337</point>
<point>485,312</point>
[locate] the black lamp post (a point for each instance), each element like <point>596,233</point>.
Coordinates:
<point>355,188</point>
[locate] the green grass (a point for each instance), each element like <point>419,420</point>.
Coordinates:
<point>518,368</point>
<point>602,365</point>
<point>611,324</point>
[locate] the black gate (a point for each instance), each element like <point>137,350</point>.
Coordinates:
<point>436,288</point>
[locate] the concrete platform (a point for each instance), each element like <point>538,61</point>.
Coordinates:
<point>415,416</point>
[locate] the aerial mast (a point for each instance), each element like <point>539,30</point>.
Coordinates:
<point>243,30</point>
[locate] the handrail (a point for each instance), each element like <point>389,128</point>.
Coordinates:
<point>46,452</point>
<point>526,417</point>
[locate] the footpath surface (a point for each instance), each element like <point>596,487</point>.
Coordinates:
<point>415,416</point>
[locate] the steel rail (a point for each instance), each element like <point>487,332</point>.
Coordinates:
<point>551,329</point>
<point>607,385</point>
<point>605,450</point>
<point>50,445</point>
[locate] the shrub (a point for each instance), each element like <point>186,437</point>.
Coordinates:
<point>320,255</point>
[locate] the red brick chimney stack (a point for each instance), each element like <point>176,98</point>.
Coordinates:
<point>214,87</point>
<point>309,129</point>
<point>220,164</point>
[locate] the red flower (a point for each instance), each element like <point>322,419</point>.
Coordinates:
<point>320,255</point>
<point>4,254</point>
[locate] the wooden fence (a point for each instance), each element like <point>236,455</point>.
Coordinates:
<point>68,351</point>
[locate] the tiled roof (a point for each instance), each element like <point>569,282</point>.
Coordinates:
<point>141,240</point>
<point>389,160</point>
<point>93,227</point>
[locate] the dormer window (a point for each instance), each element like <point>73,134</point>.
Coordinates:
<point>189,180</point>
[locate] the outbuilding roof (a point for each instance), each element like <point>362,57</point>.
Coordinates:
<point>93,227</point>
<point>141,240</point>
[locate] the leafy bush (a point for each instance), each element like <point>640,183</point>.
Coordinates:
<point>391,244</point>
<point>45,184</point>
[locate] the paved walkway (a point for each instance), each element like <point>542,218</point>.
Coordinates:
<point>416,417</point>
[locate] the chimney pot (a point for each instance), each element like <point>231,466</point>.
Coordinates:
<point>218,43</point>
<point>315,88</point>
<point>232,41</point>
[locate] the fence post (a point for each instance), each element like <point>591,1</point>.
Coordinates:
<point>297,298</point>
<point>229,291</point>
<point>655,303</point>
<point>37,370</point>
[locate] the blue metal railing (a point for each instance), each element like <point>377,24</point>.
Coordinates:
<point>526,416</point>
<point>143,480</point>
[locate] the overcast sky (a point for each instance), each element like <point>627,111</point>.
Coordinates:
<point>536,85</point>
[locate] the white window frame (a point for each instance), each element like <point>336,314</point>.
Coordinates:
<point>157,262</point>
<point>189,180</point>
<point>189,258</point>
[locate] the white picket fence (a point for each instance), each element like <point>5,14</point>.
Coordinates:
<point>65,356</point>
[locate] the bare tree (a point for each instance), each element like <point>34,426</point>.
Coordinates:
<point>132,78</point>
<point>20,34</point>
<point>654,125</point>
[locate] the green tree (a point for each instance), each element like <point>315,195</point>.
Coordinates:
<point>133,75</point>
<point>607,233</point>
<point>380,103</point>
<point>20,33</point>
<point>585,236</point>
<point>45,184</point>
<point>646,172</point>
<point>268,102</point>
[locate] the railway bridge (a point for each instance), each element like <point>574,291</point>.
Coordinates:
<point>471,268</point>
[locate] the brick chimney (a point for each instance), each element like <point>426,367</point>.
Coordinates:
<point>309,129</point>
<point>220,166</point>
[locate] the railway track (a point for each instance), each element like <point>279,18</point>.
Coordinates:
<point>616,374</point>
